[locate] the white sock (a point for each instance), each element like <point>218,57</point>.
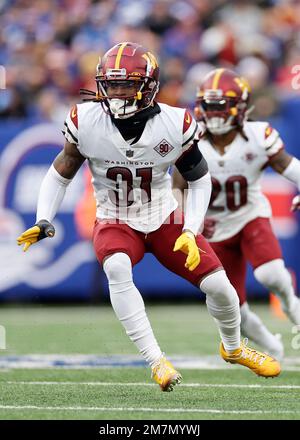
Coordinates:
<point>223,304</point>
<point>129,306</point>
<point>253,328</point>
<point>277,279</point>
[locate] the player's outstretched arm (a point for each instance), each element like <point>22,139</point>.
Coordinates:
<point>51,194</point>
<point>289,167</point>
<point>68,161</point>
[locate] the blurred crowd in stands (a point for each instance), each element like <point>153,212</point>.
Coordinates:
<point>50,48</point>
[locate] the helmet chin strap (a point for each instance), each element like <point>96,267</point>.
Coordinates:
<point>120,110</point>
<point>217,125</point>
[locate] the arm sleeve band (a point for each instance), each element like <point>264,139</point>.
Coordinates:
<point>198,197</point>
<point>51,194</point>
<point>190,129</point>
<point>69,135</point>
<point>292,172</point>
<point>70,130</point>
<point>191,164</point>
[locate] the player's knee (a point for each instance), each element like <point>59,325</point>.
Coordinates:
<point>118,268</point>
<point>217,286</point>
<point>273,275</point>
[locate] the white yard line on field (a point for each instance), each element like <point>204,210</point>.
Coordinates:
<point>139,409</point>
<point>146,384</point>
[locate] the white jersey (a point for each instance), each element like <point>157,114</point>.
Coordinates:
<point>131,181</point>
<point>237,197</point>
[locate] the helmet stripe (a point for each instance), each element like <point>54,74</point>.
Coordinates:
<point>216,78</point>
<point>146,57</point>
<point>152,60</point>
<point>119,54</point>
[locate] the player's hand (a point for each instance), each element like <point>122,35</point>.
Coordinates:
<point>186,243</point>
<point>40,230</point>
<point>296,203</point>
<point>209,227</point>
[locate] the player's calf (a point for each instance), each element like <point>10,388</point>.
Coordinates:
<point>223,304</point>
<point>129,307</point>
<point>253,328</point>
<point>275,277</point>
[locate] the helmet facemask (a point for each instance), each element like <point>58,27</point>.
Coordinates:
<point>218,112</point>
<point>222,101</point>
<point>124,105</point>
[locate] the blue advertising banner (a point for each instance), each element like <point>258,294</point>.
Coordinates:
<point>65,267</point>
<point>61,267</point>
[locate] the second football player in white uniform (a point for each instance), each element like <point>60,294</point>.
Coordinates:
<point>237,223</point>
<point>130,141</point>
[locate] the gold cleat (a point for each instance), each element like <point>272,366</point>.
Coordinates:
<point>165,374</point>
<point>260,363</point>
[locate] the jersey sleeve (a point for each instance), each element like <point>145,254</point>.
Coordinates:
<point>190,130</point>
<point>70,130</point>
<point>272,142</point>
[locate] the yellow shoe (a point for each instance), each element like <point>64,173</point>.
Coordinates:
<point>165,374</point>
<point>260,363</point>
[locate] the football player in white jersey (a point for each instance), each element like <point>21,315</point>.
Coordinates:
<point>237,223</point>
<point>130,141</point>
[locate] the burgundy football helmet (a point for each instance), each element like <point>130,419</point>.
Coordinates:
<point>127,65</point>
<point>222,101</point>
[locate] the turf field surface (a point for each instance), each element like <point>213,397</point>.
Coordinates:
<point>71,386</point>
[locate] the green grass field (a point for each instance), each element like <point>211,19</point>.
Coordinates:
<point>211,389</point>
